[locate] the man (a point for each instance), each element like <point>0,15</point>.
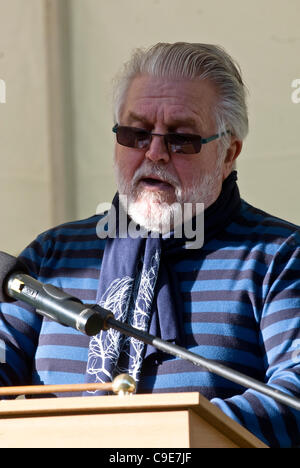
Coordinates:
<point>180,120</point>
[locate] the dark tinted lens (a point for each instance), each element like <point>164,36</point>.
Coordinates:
<point>133,137</point>
<point>183,143</point>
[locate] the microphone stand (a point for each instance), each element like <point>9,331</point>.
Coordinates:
<point>212,366</point>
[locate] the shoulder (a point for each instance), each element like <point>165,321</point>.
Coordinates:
<point>266,233</point>
<point>265,224</point>
<point>64,244</point>
<point>72,229</point>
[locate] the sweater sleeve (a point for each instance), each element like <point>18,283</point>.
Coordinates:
<point>279,330</point>
<point>20,325</point>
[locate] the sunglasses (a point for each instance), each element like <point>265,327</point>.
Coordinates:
<point>183,143</point>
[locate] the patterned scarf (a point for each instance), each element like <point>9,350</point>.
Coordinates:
<point>138,284</point>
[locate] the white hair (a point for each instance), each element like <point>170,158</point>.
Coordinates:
<point>192,61</point>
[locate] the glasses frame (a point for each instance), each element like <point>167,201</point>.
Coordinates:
<point>203,141</point>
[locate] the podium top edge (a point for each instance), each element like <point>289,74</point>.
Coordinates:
<point>100,403</point>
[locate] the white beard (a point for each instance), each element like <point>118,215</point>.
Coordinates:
<point>152,211</point>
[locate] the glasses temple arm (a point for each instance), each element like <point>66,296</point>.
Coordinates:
<point>214,137</point>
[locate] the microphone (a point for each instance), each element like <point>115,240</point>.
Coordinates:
<point>48,300</point>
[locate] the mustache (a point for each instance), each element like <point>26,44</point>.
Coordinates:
<point>158,171</point>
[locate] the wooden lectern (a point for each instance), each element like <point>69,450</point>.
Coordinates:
<point>168,420</point>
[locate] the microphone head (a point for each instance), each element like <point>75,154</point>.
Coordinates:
<point>8,266</point>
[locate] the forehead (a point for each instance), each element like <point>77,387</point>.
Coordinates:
<point>168,101</point>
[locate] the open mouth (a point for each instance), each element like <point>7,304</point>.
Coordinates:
<point>155,183</point>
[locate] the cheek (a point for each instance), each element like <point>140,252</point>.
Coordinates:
<point>127,161</point>
<point>187,170</point>
<point>193,168</point>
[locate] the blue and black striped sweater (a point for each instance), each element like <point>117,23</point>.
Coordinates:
<point>241,295</point>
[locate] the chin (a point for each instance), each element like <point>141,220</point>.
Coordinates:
<point>154,212</point>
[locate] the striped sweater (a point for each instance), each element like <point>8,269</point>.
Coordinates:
<point>241,295</point>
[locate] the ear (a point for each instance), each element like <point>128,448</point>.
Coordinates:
<point>231,155</point>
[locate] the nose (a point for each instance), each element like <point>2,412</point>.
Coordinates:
<point>158,150</point>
